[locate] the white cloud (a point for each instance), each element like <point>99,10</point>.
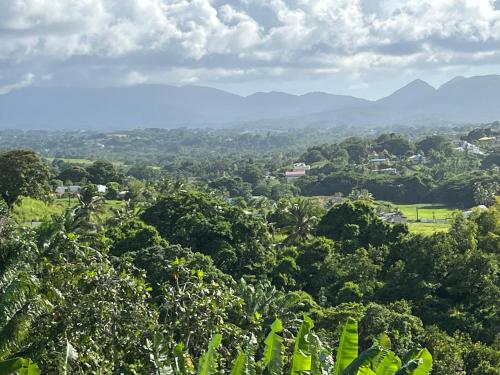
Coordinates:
<point>25,81</point>
<point>134,41</point>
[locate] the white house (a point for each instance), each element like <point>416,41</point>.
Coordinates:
<point>102,189</point>
<point>469,147</point>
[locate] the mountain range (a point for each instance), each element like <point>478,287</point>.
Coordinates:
<point>461,100</point>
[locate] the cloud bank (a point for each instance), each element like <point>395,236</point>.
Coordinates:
<point>126,42</point>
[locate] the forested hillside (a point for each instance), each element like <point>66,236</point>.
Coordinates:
<point>198,264</point>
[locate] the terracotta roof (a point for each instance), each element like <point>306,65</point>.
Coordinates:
<point>295,173</point>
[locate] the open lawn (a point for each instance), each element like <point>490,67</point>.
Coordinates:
<point>426,211</point>
<point>428,228</point>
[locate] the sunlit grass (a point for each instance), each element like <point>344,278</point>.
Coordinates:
<point>428,228</point>
<point>426,211</point>
<point>33,210</point>
<point>73,161</point>
<point>434,217</point>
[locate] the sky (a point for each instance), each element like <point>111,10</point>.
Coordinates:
<point>364,48</point>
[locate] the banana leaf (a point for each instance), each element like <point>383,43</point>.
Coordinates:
<point>348,347</point>
<point>301,360</point>
<point>273,351</point>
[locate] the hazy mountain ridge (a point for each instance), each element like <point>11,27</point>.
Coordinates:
<point>460,100</point>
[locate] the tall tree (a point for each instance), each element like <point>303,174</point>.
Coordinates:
<point>23,174</point>
<point>102,172</point>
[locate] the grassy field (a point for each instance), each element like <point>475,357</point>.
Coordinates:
<point>34,210</point>
<point>426,211</point>
<point>428,228</point>
<point>31,210</point>
<point>83,162</point>
<point>73,161</point>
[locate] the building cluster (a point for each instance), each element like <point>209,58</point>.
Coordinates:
<point>75,189</point>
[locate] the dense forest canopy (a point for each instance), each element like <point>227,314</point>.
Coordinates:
<point>205,259</point>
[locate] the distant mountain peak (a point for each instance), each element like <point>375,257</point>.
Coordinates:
<point>452,81</point>
<point>417,84</point>
<point>415,89</point>
<point>460,100</point>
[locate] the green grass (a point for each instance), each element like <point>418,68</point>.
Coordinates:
<point>84,162</point>
<point>35,210</point>
<point>426,211</point>
<point>428,228</point>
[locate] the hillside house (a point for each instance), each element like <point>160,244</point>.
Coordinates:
<point>465,146</point>
<point>102,189</point>
<point>299,170</point>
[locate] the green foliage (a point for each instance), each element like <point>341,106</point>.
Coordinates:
<point>208,363</point>
<point>23,174</point>
<point>103,172</point>
<point>273,351</point>
<point>348,347</point>
<point>142,286</point>
<point>389,364</point>
<point>133,235</point>
<point>19,366</point>
<point>30,209</point>
<point>302,358</point>
<point>234,187</point>
<point>21,301</point>
<point>237,242</point>
<point>308,356</point>
<point>435,143</point>
<point>355,223</point>
<point>4,210</point>
<point>76,174</point>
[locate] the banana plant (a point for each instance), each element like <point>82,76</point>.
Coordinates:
<point>378,359</point>
<point>273,351</point>
<point>348,346</point>
<point>309,358</point>
<point>245,361</point>
<point>208,362</point>
<point>301,359</point>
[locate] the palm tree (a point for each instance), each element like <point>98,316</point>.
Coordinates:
<point>301,218</point>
